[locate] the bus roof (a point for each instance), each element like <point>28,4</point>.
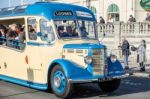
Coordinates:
<point>50,10</point>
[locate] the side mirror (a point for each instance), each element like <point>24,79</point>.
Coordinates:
<point>39,34</point>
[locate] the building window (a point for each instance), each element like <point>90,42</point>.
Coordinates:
<point>113,13</point>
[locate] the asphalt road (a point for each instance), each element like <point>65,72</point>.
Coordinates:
<point>131,88</point>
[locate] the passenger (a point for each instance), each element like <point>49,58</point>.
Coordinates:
<point>3,31</point>
<point>20,36</point>
<point>20,33</point>
<point>11,35</point>
<point>83,32</point>
<point>32,33</point>
<point>61,32</point>
<point>69,31</point>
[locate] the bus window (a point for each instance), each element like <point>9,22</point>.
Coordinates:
<point>47,31</point>
<point>67,28</point>
<point>13,35</point>
<point>32,27</point>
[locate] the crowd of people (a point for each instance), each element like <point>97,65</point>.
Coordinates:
<point>126,47</point>
<point>130,20</point>
<point>12,35</point>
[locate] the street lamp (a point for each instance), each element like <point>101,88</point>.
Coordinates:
<point>88,3</point>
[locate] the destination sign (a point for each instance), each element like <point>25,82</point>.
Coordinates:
<point>63,13</point>
<point>83,14</point>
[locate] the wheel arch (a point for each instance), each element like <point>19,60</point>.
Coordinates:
<point>64,65</point>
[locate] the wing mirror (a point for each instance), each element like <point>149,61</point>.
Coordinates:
<point>39,34</point>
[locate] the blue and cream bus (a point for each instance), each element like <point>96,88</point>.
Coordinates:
<point>59,48</point>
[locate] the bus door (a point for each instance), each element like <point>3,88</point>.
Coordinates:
<point>33,45</point>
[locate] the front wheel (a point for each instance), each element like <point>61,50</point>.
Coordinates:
<point>109,86</point>
<point>60,85</point>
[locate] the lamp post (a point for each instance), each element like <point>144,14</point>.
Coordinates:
<point>88,3</point>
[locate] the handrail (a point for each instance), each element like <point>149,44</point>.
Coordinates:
<point>18,44</point>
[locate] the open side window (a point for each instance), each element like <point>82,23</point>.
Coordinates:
<point>32,28</point>
<point>12,33</point>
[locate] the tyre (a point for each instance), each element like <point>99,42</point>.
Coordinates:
<point>60,85</point>
<point>109,86</point>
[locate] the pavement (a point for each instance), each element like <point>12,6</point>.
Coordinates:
<point>132,87</point>
<point>134,71</point>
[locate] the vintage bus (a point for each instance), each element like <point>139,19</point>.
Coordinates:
<point>57,47</point>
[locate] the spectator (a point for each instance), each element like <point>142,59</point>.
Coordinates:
<point>102,21</point>
<point>110,19</point>
<point>132,19</point>
<point>141,55</point>
<point>147,17</point>
<point>125,52</point>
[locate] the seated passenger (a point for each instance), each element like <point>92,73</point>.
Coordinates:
<point>61,32</point>
<point>3,32</point>
<point>32,33</point>
<point>69,31</point>
<point>83,32</point>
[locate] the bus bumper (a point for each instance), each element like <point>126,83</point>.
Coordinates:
<point>98,79</point>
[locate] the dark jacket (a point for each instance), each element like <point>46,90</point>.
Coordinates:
<point>2,38</point>
<point>125,48</point>
<point>132,19</point>
<point>102,21</point>
<point>148,18</point>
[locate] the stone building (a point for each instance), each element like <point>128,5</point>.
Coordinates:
<point>119,10</point>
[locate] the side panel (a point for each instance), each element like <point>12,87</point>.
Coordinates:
<point>13,63</point>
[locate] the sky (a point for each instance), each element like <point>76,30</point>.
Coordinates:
<point>8,3</point>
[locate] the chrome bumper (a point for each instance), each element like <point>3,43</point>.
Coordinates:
<point>98,79</point>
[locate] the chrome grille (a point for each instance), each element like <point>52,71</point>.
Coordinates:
<point>98,61</point>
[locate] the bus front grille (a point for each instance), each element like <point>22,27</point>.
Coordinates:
<point>98,61</point>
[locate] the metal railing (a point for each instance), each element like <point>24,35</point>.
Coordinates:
<point>12,43</point>
<point>134,33</point>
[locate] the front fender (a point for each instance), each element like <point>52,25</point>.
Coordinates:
<point>71,70</point>
<point>115,69</point>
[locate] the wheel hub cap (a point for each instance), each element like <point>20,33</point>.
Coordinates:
<point>57,81</point>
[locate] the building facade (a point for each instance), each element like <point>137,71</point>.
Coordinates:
<point>116,10</point>
<point>119,10</point>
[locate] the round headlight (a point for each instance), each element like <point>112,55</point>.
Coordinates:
<point>113,58</point>
<point>88,59</point>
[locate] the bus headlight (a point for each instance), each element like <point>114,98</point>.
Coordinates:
<point>113,58</point>
<point>88,59</point>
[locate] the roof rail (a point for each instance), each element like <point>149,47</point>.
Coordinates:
<point>13,10</point>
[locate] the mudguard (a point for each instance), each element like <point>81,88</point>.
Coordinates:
<point>72,70</point>
<point>115,69</point>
